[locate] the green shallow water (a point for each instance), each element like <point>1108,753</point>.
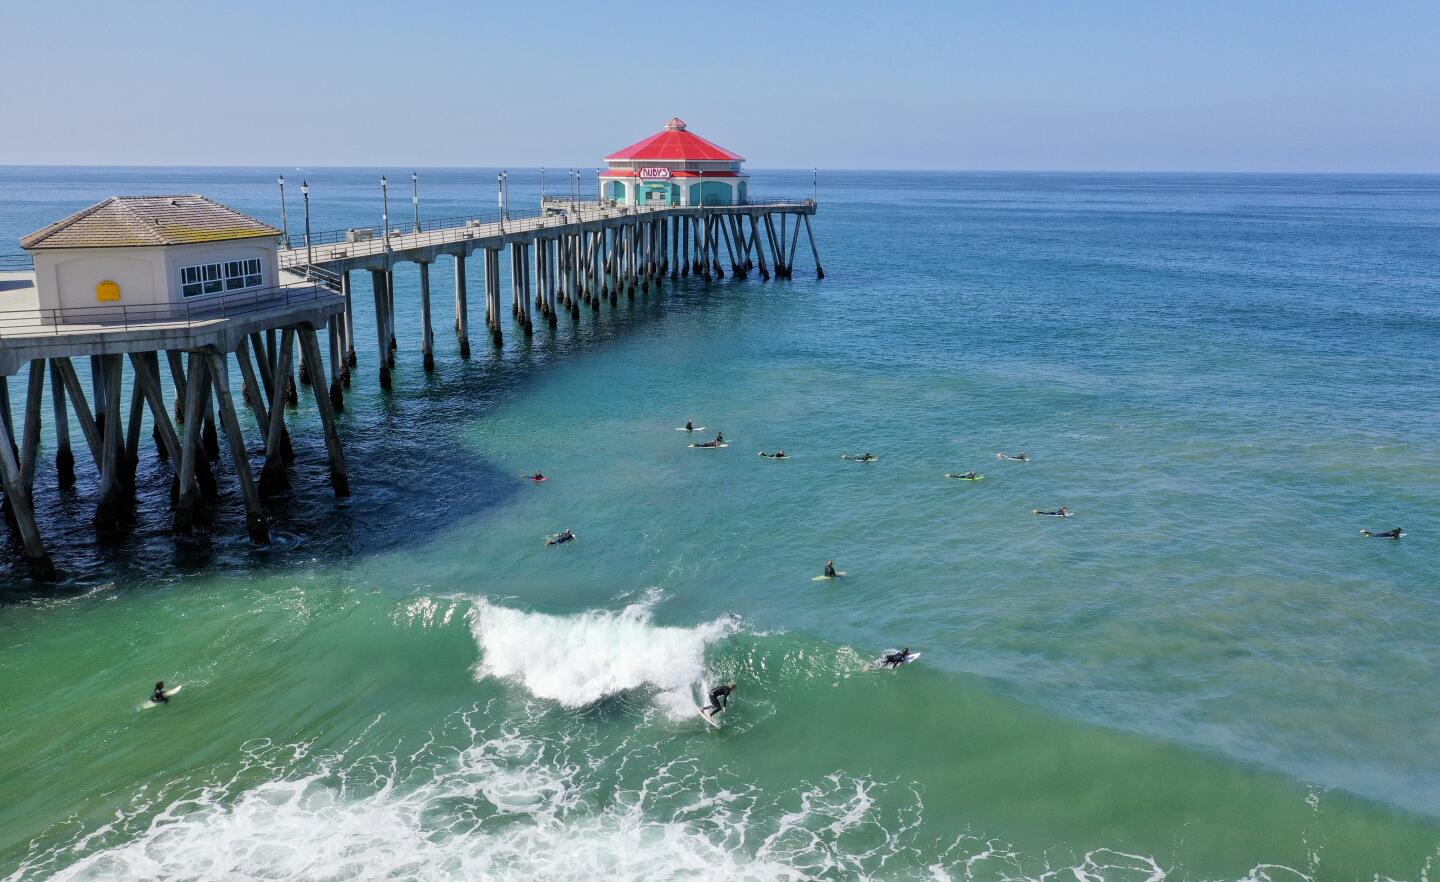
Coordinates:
<point>1205,674</point>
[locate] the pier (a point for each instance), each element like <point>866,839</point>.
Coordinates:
<point>138,291</point>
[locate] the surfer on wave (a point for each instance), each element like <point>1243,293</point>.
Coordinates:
<point>718,696</point>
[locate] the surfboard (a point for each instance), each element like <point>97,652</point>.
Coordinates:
<point>707,717</point>
<point>709,446</point>
<point>838,574</point>
<point>1369,535</point>
<point>848,458</point>
<point>168,693</point>
<point>550,540</point>
<point>534,480</point>
<point>773,456</point>
<point>963,478</point>
<point>879,663</point>
<point>1051,514</point>
<point>1011,458</point>
<point>683,429</point>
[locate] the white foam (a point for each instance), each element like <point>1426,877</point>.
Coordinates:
<point>516,807</point>
<point>579,659</point>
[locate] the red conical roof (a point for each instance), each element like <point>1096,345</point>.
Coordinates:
<point>675,143</point>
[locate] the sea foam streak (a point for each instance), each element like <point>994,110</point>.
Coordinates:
<point>580,659</point>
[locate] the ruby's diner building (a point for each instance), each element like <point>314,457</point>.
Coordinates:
<point>674,167</point>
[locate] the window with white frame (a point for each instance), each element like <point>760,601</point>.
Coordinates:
<point>217,278</point>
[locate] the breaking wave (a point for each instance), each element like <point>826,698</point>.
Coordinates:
<point>580,659</point>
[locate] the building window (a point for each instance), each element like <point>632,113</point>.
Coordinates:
<point>215,278</point>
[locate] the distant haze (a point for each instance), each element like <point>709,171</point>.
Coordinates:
<point>1222,86</point>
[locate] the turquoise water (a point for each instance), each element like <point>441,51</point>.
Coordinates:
<point>1205,674</point>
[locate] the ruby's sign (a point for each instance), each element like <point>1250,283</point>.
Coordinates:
<point>654,174</point>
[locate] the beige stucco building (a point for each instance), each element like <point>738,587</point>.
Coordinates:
<point>150,256</point>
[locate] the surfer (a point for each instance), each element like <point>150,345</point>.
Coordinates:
<point>895,659</point>
<point>689,425</point>
<point>1061,512</point>
<point>719,438</point>
<point>1388,534</point>
<point>1019,457</point>
<point>537,477</point>
<point>968,476</point>
<point>864,457</point>
<point>159,696</point>
<point>560,538</point>
<point>830,570</point>
<point>718,697</point>
<point>780,454</point>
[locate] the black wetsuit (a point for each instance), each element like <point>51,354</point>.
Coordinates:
<point>895,659</point>
<point>830,571</point>
<point>717,698</point>
<point>159,696</point>
<point>563,537</point>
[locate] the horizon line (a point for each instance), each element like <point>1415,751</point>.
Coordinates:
<point>1034,171</point>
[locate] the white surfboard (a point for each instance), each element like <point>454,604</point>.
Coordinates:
<point>683,429</point>
<point>838,574</point>
<point>879,663</point>
<point>168,693</point>
<point>709,718</point>
<point>709,446</point>
<point>1052,514</point>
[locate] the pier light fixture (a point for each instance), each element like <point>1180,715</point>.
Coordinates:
<point>385,211</point>
<point>284,226</point>
<point>309,254</point>
<point>542,183</point>
<point>415,197</point>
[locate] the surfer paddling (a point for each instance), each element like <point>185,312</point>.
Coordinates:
<point>718,696</point>
<point>718,442</point>
<point>895,659</point>
<point>779,454</point>
<point>159,696</point>
<point>864,457</point>
<point>1018,457</point>
<point>1061,512</point>
<point>561,538</point>
<point>1388,534</point>
<point>967,476</point>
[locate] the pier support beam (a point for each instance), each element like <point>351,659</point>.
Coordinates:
<point>255,523</point>
<point>273,480</point>
<point>427,336</point>
<point>107,512</point>
<point>339,479</point>
<point>819,270</point>
<point>462,307</point>
<point>22,508</point>
<point>64,456</point>
<point>378,280</point>
<point>350,359</point>
<point>188,502</point>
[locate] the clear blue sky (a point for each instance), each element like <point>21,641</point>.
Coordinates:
<point>1204,85</point>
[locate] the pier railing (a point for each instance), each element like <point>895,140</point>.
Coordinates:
<point>80,319</point>
<point>369,241</point>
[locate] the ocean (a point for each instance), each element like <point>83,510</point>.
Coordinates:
<point>1205,674</point>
